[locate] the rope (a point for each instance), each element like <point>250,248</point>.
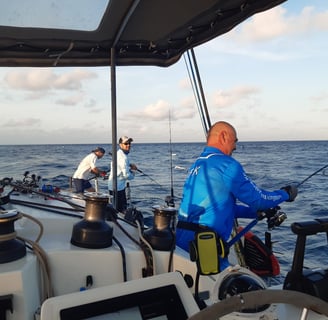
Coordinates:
<point>38,223</point>
<point>46,284</point>
<point>8,236</point>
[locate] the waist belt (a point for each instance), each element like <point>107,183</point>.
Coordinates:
<point>192,226</point>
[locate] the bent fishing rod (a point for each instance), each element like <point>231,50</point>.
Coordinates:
<point>311,175</point>
<point>272,214</point>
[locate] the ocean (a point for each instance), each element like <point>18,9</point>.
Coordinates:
<point>271,165</point>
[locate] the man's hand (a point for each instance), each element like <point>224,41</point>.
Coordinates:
<point>292,192</point>
<point>133,167</point>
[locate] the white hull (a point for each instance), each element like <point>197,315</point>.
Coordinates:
<point>70,266</point>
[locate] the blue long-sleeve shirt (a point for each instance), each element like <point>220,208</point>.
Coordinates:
<point>123,171</point>
<point>215,182</point>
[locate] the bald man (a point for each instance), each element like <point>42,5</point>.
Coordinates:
<point>214,184</point>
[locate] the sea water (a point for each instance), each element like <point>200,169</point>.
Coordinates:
<point>271,165</point>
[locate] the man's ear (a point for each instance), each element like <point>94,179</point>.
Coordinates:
<point>223,136</point>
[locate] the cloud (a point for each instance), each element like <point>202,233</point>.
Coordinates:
<point>71,100</point>
<point>33,80</point>
<point>228,98</point>
<point>91,103</point>
<point>28,122</point>
<point>161,110</point>
<point>275,23</point>
<point>47,79</point>
<point>156,112</point>
<point>184,84</point>
<point>267,25</point>
<point>186,110</point>
<point>320,98</point>
<point>309,21</point>
<point>73,80</point>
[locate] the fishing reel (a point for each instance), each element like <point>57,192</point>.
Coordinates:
<point>28,184</point>
<point>274,217</point>
<point>5,182</point>
<point>31,180</point>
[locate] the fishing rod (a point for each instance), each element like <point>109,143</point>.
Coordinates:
<point>145,174</point>
<point>311,175</point>
<point>274,217</point>
<point>21,187</point>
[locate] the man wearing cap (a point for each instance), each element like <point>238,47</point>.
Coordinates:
<point>125,172</point>
<point>86,166</point>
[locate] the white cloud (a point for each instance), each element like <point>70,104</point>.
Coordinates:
<point>71,100</point>
<point>228,98</point>
<point>28,122</point>
<point>91,103</point>
<point>33,80</point>
<point>184,84</point>
<point>276,22</point>
<point>156,112</point>
<point>185,110</point>
<point>47,79</point>
<point>73,80</point>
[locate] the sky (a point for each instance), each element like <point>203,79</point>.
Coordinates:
<point>267,77</point>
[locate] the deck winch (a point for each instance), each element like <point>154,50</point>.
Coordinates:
<point>161,235</point>
<point>93,232</point>
<point>11,249</point>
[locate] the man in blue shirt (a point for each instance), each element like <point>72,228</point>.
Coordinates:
<point>125,172</point>
<point>215,182</point>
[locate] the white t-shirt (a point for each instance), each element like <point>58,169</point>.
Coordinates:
<point>85,166</point>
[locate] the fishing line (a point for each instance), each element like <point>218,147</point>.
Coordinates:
<point>313,174</point>
<point>146,175</point>
<point>149,177</point>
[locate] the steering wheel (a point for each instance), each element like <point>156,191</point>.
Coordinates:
<point>260,297</point>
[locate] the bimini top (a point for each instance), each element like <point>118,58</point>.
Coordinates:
<point>49,33</point>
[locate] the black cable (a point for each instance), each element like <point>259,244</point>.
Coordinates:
<point>123,258</point>
<point>142,247</point>
<point>44,207</point>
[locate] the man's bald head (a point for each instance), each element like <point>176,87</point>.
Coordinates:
<point>222,135</point>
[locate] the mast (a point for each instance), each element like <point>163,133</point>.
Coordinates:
<point>114,125</point>
<point>119,32</point>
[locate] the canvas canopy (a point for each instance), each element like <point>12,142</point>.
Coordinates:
<point>45,33</point>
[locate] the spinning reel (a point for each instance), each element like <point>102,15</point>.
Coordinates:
<point>274,217</point>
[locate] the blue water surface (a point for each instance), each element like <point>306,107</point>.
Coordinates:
<point>271,165</point>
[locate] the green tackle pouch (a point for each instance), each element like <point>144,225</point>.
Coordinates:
<point>204,250</point>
